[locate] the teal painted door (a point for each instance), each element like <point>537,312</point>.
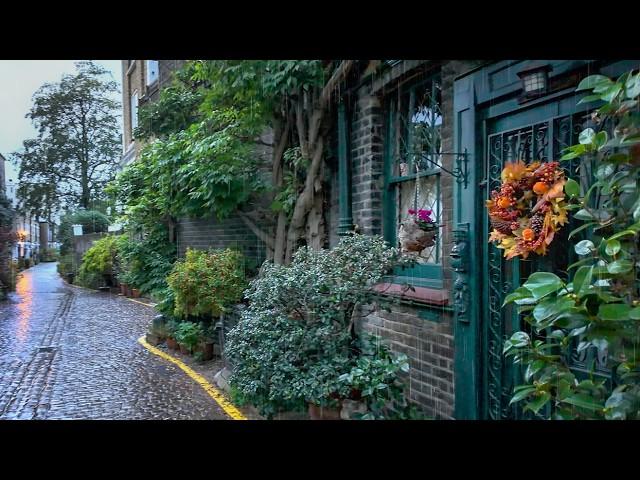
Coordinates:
<point>495,128</point>
<point>543,140</point>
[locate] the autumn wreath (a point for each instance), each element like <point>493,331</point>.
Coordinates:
<point>528,208</point>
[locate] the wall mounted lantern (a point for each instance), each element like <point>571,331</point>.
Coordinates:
<point>535,80</point>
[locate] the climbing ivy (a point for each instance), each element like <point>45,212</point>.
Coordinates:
<point>599,309</point>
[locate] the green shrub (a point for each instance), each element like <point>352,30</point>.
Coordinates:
<point>296,342</point>
<point>97,262</point>
<point>206,283</point>
<point>145,260</point>
<point>65,265</point>
<point>189,334</point>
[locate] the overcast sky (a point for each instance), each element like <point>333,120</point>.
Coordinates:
<point>19,79</point>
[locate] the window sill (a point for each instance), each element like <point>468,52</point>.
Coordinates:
<point>422,295</point>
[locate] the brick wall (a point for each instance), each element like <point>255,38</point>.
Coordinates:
<point>427,343</point>
<point>367,163</point>
<point>211,233</point>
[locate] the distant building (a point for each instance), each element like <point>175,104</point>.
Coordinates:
<point>142,81</point>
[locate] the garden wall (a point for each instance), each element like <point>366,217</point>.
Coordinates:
<point>212,233</point>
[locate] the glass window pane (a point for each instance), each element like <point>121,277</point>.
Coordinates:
<point>418,130</point>
<point>152,71</point>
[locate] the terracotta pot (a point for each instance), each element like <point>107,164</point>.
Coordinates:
<point>123,288</point>
<point>316,412</point>
<point>184,349</point>
<point>172,344</point>
<point>351,408</point>
<point>207,350</point>
<point>135,293</point>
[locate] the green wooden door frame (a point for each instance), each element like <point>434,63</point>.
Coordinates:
<point>482,101</point>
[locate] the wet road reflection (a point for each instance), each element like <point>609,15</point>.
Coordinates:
<point>24,290</point>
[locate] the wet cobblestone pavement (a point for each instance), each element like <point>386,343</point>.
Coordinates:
<point>71,353</point>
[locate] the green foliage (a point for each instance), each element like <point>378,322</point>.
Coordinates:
<point>175,110</point>
<point>78,144</point>
<point>206,283</point>
<point>189,334</point>
<point>145,259</point>
<point>296,340</point>
<point>92,222</point>
<point>65,265</point>
<point>97,262</point>
<point>599,310</point>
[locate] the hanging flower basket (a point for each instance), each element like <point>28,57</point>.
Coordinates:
<point>418,233</point>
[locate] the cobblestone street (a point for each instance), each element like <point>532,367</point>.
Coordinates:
<point>70,353</point>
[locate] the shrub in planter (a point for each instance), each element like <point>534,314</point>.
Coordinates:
<point>296,339</point>
<point>206,342</point>
<point>65,265</point>
<point>188,335</point>
<point>97,263</point>
<point>171,329</point>
<point>206,283</point>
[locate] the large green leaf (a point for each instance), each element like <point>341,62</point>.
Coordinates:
<point>518,294</point>
<point>592,81</point>
<point>533,368</point>
<point>583,401</point>
<point>550,307</point>
<point>522,393</point>
<point>572,188</point>
<point>584,215</point>
<point>620,266</point>
<point>613,247</point>
<point>541,284</point>
<point>634,313</point>
<point>540,401</point>
<point>584,247</point>
<point>614,311</point>
<point>587,136</point>
<point>582,279</point>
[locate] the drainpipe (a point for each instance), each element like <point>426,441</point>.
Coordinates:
<point>345,224</point>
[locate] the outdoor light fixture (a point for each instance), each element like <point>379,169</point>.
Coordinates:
<point>535,80</point>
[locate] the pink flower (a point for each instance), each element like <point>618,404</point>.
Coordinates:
<point>412,211</point>
<point>425,215</point>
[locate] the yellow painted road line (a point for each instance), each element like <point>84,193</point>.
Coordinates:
<point>227,406</point>
<point>142,303</point>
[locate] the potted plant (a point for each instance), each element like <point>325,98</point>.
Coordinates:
<point>206,343</point>
<point>418,232</point>
<point>135,293</point>
<point>171,328</point>
<point>327,410</point>
<point>188,336</point>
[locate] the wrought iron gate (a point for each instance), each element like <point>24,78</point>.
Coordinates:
<point>542,141</point>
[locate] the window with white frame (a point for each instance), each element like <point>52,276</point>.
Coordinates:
<point>152,72</point>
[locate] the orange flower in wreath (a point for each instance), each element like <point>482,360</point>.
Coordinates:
<point>528,208</point>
